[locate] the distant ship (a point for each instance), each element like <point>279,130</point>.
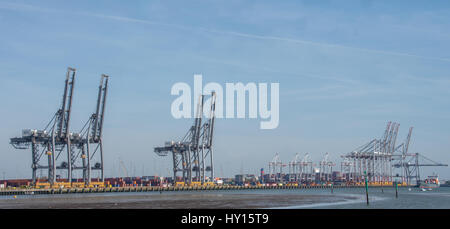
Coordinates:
<point>430,183</point>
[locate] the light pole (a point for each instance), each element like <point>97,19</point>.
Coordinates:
<point>367,187</point>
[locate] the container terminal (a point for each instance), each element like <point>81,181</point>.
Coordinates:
<point>382,162</point>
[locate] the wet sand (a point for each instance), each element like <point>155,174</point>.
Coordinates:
<point>170,201</point>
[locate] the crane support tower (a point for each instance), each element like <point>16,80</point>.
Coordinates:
<point>326,169</point>
<point>307,169</point>
<point>295,169</point>
<point>91,134</point>
<point>193,154</point>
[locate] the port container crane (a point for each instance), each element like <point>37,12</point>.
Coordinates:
<point>193,154</point>
<point>53,139</point>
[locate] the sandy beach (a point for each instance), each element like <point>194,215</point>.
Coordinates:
<point>169,201</point>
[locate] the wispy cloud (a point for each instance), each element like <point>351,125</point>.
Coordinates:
<point>26,7</point>
<point>263,37</point>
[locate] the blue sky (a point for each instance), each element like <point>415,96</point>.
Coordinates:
<point>344,68</point>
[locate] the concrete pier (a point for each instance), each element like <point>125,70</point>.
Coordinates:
<point>9,192</point>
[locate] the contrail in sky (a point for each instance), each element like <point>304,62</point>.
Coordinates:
<point>25,7</point>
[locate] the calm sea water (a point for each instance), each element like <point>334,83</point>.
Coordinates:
<point>385,198</point>
<point>413,198</point>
